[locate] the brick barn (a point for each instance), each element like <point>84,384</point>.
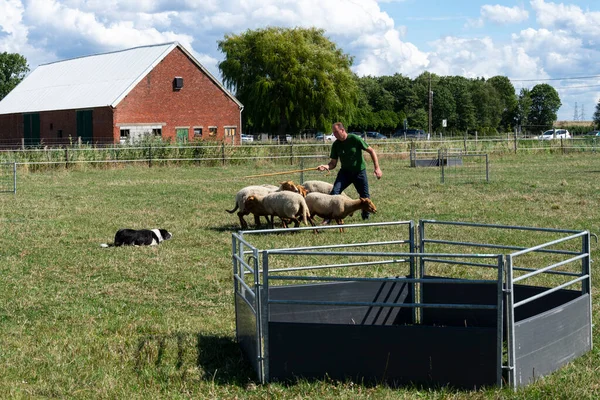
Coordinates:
<point>119,97</point>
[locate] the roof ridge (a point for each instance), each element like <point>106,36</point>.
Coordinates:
<point>110,52</point>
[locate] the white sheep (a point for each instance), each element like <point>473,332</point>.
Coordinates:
<point>240,200</point>
<point>283,204</point>
<point>336,207</point>
<point>318,186</point>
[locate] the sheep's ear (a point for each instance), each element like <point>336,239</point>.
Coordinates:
<point>250,198</point>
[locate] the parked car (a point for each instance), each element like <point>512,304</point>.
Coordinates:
<point>329,138</point>
<point>247,138</point>
<point>359,134</point>
<point>320,136</point>
<point>375,135</point>
<point>410,134</point>
<point>555,134</point>
<point>282,138</point>
<point>592,133</point>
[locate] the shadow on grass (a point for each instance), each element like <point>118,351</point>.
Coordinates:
<point>218,359</point>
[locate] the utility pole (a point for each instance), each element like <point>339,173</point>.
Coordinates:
<point>430,104</point>
<point>576,113</point>
<point>582,115</point>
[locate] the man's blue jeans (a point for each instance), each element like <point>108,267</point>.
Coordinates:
<point>358,179</point>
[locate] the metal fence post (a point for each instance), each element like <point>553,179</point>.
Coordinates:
<point>223,153</point>
<point>66,157</point>
<point>292,153</point>
<point>149,156</point>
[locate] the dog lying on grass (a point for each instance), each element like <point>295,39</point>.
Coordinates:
<point>142,237</point>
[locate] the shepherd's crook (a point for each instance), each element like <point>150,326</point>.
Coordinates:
<point>284,172</point>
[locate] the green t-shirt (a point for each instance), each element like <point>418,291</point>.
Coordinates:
<point>349,152</point>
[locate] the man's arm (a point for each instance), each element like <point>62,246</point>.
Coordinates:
<point>373,155</point>
<point>332,164</point>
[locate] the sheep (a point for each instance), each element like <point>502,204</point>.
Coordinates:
<point>308,187</point>
<point>336,207</point>
<point>240,199</point>
<point>284,204</point>
<point>318,186</point>
<point>292,187</point>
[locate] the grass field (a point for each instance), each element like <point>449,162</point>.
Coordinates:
<point>80,321</point>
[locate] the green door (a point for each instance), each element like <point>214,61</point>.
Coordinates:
<point>84,125</point>
<point>31,126</point>
<point>182,135</point>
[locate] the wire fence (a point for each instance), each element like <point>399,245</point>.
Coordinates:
<point>159,153</point>
<point>8,177</point>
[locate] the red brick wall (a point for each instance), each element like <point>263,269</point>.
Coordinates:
<point>200,103</point>
<point>52,122</point>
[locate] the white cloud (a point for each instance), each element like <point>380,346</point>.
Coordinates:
<point>481,57</point>
<point>570,18</point>
<point>504,15</point>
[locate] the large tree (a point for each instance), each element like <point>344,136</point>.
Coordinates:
<point>597,116</point>
<point>545,102</point>
<point>524,108</point>
<point>289,79</point>
<point>13,68</point>
<point>508,98</point>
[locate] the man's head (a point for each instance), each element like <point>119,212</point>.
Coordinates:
<point>339,131</point>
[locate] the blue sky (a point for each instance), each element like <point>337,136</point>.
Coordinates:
<point>530,41</point>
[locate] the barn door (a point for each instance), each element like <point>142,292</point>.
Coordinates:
<point>85,125</point>
<point>31,129</point>
<point>182,135</point>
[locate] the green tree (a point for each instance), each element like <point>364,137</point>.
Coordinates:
<point>289,79</point>
<point>13,68</point>
<point>444,106</point>
<point>523,108</point>
<point>597,116</point>
<point>545,102</point>
<point>508,99</point>
<point>488,107</point>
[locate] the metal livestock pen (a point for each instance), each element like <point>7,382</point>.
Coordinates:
<point>442,313</point>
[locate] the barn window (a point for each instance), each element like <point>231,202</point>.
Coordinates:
<point>212,131</point>
<point>229,131</point>
<point>157,131</point>
<point>124,133</point>
<point>198,133</point>
<point>59,133</point>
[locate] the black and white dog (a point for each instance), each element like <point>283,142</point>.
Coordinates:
<point>142,237</point>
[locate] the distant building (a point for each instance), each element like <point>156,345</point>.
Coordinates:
<point>118,97</point>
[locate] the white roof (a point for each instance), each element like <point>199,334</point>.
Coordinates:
<point>92,81</point>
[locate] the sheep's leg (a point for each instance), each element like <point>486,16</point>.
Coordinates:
<point>256,220</point>
<point>340,222</point>
<point>243,223</point>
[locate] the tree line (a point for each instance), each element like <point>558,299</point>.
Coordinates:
<point>293,79</point>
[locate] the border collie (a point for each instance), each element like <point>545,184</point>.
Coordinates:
<point>142,237</point>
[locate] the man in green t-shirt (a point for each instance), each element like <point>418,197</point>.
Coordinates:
<point>348,149</point>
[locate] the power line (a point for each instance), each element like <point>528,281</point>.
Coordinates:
<point>555,79</point>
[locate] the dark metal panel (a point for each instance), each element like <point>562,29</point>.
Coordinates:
<point>455,293</point>
<point>247,335</point>
<point>543,304</point>
<point>461,357</point>
<point>389,292</point>
<point>548,341</point>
